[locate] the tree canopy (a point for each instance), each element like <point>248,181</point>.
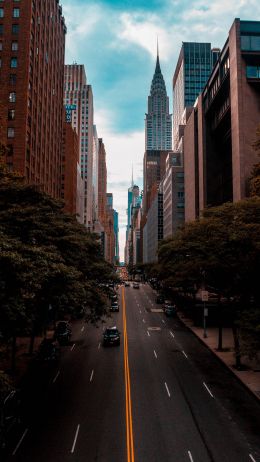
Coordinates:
<point>48,261</point>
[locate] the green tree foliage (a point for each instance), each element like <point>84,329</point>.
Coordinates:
<point>254,182</point>
<point>49,264</point>
<point>221,251</point>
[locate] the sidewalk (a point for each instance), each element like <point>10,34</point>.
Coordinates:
<point>250,377</point>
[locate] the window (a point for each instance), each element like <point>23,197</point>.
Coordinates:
<point>13,62</point>
<point>10,149</point>
<point>10,132</point>
<point>12,97</point>
<point>1,46</point>
<point>11,114</point>
<point>1,12</point>
<point>12,79</point>
<point>0,62</point>
<point>1,29</point>
<point>14,46</point>
<point>15,29</point>
<point>250,42</point>
<point>16,13</point>
<point>253,72</point>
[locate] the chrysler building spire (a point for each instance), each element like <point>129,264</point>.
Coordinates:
<point>158,122</point>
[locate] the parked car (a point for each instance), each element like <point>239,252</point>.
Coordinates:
<point>10,408</point>
<point>136,285</point>
<point>111,336</point>
<point>170,310</point>
<point>49,350</point>
<point>114,306</point>
<point>160,299</point>
<point>127,283</point>
<point>63,332</point>
<point>167,303</point>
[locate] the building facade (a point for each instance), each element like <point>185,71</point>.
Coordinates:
<point>153,230</point>
<point>173,194</point>
<point>32,45</point>
<point>191,74</point>
<point>154,166</point>
<point>218,138</point>
<point>78,100</point>
<point>70,159</point>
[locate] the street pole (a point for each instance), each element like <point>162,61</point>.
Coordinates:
<point>205,335</point>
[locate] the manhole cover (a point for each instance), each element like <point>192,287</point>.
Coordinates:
<point>154,328</point>
<point>156,310</point>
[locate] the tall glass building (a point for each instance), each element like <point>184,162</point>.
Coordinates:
<point>158,121</point>
<point>193,69</point>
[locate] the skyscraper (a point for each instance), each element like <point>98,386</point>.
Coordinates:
<point>32,44</point>
<point>191,74</point>
<point>78,100</point>
<point>158,121</point>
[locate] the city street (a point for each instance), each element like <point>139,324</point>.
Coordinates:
<point>160,396</point>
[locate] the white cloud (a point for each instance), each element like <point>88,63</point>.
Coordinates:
<point>143,31</point>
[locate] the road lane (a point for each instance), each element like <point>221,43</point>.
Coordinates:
<point>161,374</point>
<point>233,442</point>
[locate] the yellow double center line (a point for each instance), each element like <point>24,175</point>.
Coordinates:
<point>128,403</point>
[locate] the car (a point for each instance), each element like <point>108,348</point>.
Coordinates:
<point>159,299</point>
<point>49,351</point>
<point>167,303</point>
<point>113,297</point>
<point>62,332</point>
<point>136,285</point>
<point>114,306</point>
<point>170,310</point>
<point>127,284</point>
<point>111,336</point>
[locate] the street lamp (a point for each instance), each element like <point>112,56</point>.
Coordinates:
<point>204,298</point>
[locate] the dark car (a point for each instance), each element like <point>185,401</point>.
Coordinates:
<point>114,306</point>
<point>160,299</point>
<point>114,297</point>
<point>10,408</point>
<point>170,310</point>
<point>63,332</point>
<point>111,336</point>
<point>136,285</point>
<point>49,351</point>
<point>127,284</point>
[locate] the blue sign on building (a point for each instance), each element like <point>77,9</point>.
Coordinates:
<point>68,109</point>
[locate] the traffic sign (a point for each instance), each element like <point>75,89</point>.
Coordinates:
<point>204,296</point>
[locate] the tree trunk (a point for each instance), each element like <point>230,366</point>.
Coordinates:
<point>238,364</point>
<point>31,345</point>
<point>220,326</point>
<point>13,354</point>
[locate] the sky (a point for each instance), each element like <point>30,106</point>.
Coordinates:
<point>116,41</point>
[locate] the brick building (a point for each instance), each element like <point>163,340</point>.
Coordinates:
<point>32,44</point>
<point>218,152</point>
<point>79,97</point>
<point>154,165</point>
<point>70,158</point>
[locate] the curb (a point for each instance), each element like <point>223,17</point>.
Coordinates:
<point>221,361</point>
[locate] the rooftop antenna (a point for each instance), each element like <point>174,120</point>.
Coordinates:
<point>132,175</point>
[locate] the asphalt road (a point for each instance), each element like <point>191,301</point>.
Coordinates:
<point>161,396</point>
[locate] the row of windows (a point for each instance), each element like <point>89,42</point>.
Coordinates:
<point>16,12</point>
<point>13,62</point>
<point>14,46</point>
<point>15,29</point>
<point>253,72</point>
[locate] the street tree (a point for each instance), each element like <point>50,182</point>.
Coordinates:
<point>220,251</point>
<point>50,265</point>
